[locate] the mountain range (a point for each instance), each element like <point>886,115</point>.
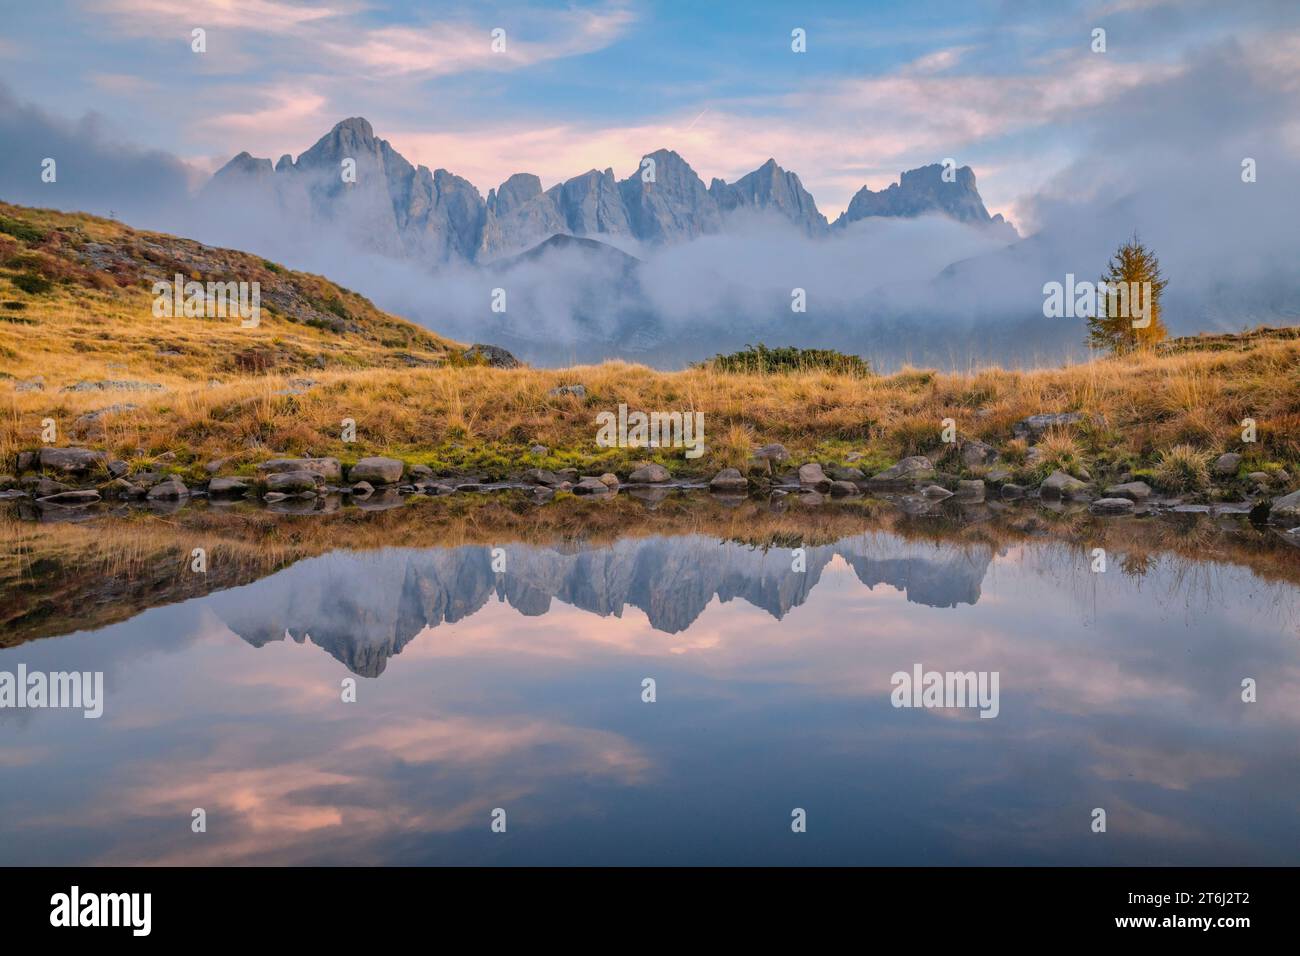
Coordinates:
<point>364,608</point>
<point>436,217</point>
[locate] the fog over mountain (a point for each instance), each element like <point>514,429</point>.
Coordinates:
<point>674,270</point>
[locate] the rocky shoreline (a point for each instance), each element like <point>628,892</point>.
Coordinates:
<point>76,478</point>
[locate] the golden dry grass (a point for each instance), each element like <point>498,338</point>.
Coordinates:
<point>483,417</point>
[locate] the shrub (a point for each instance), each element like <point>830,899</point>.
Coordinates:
<point>762,360</point>
<point>1182,468</point>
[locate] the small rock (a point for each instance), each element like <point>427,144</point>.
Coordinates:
<point>1010,490</point>
<point>46,487</point>
<point>421,471</point>
<point>577,391</point>
<point>1060,485</point>
<point>728,480</point>
<point>121,488</point>
<point>383,471</point>
<point>71,460</point>
<point>773,452</point>
<point>590,486</point>
<point>1032,428</point>
<point>361,489</point>
<point>233,487</point>
<point>215,465</point>
<point>293,482</point>
<point>1133,490</point>
<point>491,355</point>
<point>1286,510</point>
<point>1225,466</point>
<point>970,489</point>
<point>976,454</point>
<point>936,492</point>
<point>842,489</point>
<point>540,476</point>
<point>812,476</point>
<point>913,468</point>
<point>653,474</point>
<point>327,468</point>
<point>8,482</point>
<point>610,481</point>
<point>539,450</point>
<point>170,489</point>
<point>118,468</point>
<point>1112,506</point>
<point>839,473</point>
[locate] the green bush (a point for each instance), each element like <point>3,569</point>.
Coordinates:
<point>788,358</point>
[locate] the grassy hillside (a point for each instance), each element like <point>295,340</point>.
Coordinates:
<point>76,304</point>
<point>323,354</point>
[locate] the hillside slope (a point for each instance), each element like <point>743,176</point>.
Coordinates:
<point>77,311</point>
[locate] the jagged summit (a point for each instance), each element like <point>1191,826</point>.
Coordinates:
<point>436,217</point>
<point>923,190</point>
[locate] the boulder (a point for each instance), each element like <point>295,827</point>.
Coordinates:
<point>121,488</point>
<point>812,476</point>
<point>118,468</point>
<point>1032,428</point>
<point>379,471</point>
<point>491,355</point>
<point>936,492</point>
<point>610,481</point>
<point>591,486</point>
<point>839,473</point>
<point>977,454</point>
<point>328,468</point>
<point>1061,485</point>
<point>842,489</point>
<point>1010,490</point>
<point>8,482</point>
<point>292,482</point>
<point>1225,466</point>
<point>652,474</point>
<point>1286,511</point>
<point>773,452</point>
<point>912,469</point>
<point>421,471</point>
<point>729,480</point>
<point>227,486</point>
<point>540,476</point>
<point>169,489</point>
<point>1133,490</point>
<point>1112,506</point>
<point>74,461</point>
<point>45,487</point>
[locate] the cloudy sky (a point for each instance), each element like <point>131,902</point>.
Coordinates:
<point>883,86</point>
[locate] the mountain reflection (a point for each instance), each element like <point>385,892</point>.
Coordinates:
<point>365,607</point>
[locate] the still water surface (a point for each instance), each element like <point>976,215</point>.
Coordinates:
<point>522,690</point>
